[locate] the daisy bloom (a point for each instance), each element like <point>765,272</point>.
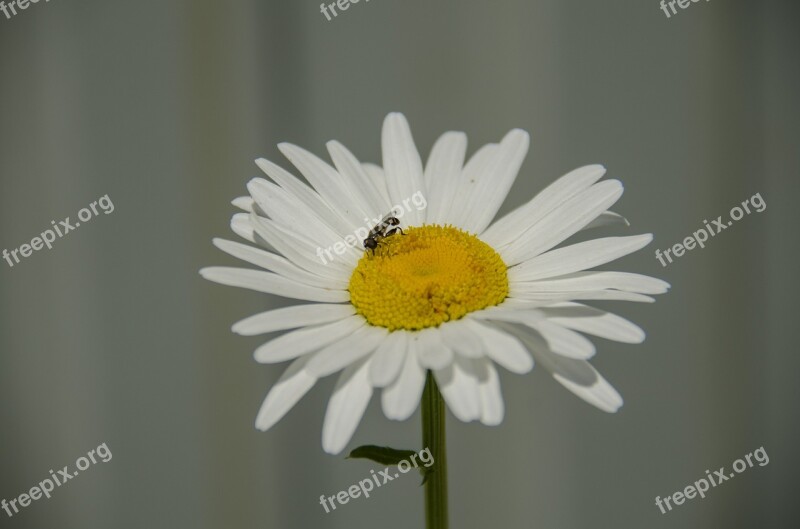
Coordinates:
<point>453,294</point>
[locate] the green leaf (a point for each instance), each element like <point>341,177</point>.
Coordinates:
<point>381,454</point>
<point>389,456</point>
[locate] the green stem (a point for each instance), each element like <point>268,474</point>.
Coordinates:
<point>433,438</point>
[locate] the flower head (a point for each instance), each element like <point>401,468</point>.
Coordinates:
<point>440,289</point>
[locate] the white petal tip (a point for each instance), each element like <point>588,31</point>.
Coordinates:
<point>616,183</point>
<point>525,369</point>
<point>260,357</point>
<point>263,164</point>
<point>334,145</point>
<point>455,135</point>
<point>396,119</point>
<point>264,425</point>
<point>332,450</point>
<point>287,149</point>
<point>398,415</point>
<point>237,329</point>
<point>243,203</point>
<point>612,403</point>
<point>518,135</point>
<point>218,242</point>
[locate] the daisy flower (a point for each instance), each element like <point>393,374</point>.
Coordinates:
<point>453,294</point>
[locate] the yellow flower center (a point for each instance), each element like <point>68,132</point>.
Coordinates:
<point>428,276</point>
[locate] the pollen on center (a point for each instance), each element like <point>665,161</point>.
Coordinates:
<point>428,276</point>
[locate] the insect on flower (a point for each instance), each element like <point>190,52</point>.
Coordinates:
<point>389,225</point>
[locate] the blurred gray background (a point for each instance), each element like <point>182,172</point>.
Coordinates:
<point>112,336</point>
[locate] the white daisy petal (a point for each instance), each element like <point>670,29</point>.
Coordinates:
<point>278,264</point>
<point>270,283</point>
<point>326,181</point>
<point>514,224</point>
<point>248,205</point>
<point>509,314</point>
<point>492,405</point>
<point>346,407</point>
<point>240,224</point>
<point>458,336</point>
<point>607,218</point>
<point>306,340</point>
<point>475,168</point>
<point>387,361</point>
<point>577,257</point>
<point>308,196</point>
<point>583,380</point>
<point>598,281</point>
<point>301,251</point>
<point>459,387</point>
<point>552,298</point>
<point>304,252</point>
<point>290,388</point>
<point>344,352</point>
<point>523,293</point>
<point>361,184</point>
<point>442,173</point>
<point>578,376</point>
<point>491,188</point>
<point>502,347</point>
<point>521,304</point>
<point>287,210</point>
<point>563,341</point>
<point>402,164</point>
<point>433,354</point>
<point>244,203</point>
<point>401,398</point>
<point>564,221</point>
<point>594,321</point>
<point>378,177</point>
<point>292,318</point>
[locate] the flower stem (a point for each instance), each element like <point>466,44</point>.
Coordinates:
<point>433,438</point>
